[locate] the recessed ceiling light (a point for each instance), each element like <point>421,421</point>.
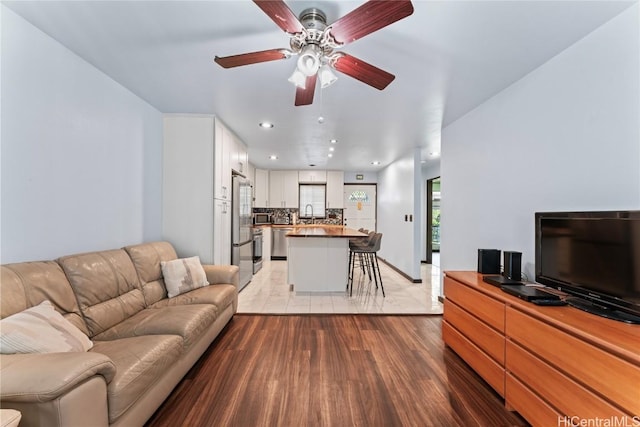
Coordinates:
<point>273,157</point>
<point>330,155</point>
<point>434,154</point>
<point>320,119</point>
<point>266,125</point>
<point>332,148</point>
<point>376,163</point>
<point>333,141</point>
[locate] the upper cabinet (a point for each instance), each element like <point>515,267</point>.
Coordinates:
<point>335,190</point>
<point>261,188</point>
<point>239,156</point>
<point>283,189</point>
<point>222,157</point>
<point>312,176</point>
<point>230,155</point>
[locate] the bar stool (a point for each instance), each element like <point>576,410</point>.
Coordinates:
<point>355,244</point>
<point>367,254</point>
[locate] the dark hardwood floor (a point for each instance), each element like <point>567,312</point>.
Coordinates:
<point>332,370</point>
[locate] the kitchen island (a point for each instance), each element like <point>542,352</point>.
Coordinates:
<point>318,258</point>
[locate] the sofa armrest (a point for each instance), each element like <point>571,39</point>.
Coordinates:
<point>222,274</point>
<point>44,377</point>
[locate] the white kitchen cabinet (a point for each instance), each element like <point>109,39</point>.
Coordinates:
<point>196,187</point>
<point>261,187</point>
<point>251,174</point>
<point>267,235</point>
<point>312,176</point>
<point>335,190</point>
<point>238,158</point>
<point>283,189</point>
<point>222,172</point>
<point>222,232</point>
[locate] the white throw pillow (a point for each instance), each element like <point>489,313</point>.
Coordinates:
<point>183,275</point>
<point>40,329</point>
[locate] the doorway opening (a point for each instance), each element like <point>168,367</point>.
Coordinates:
<point>433,220</point>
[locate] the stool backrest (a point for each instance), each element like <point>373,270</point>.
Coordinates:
<point>376,241</point>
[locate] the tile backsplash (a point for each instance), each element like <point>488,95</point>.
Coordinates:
<point>334,216</point>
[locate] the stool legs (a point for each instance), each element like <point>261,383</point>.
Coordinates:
<point>368,263</point>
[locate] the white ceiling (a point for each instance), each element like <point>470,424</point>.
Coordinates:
<point>448,57</point>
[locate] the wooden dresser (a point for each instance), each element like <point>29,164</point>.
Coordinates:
<point>554,365</point>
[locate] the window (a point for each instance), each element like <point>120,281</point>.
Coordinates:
<point>312,200</point>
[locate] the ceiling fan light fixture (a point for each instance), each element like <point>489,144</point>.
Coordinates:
<point>327,77</point>
<point>298,79</point>
<point>309,60</point>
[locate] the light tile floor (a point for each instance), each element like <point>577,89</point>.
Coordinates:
<point>268,292</point>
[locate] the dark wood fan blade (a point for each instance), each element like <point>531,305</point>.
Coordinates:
<point>280,13</point>
<point>370,17</point>
<point>366,73</point>
<point>305,96</point>
<point>251,58</point>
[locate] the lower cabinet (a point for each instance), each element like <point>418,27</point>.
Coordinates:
<point>221,232</point>
<point>473,327</point>
<point>267,235</point>
<point>551,364</point>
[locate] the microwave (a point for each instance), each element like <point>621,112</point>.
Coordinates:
<point>261,218</point>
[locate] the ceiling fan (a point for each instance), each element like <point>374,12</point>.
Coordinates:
<point>315,42</point>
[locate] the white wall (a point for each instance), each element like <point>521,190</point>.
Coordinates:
<point>81,155</point>
<point>399,195</point>
<point>565,137</point>
<point>367,177</point>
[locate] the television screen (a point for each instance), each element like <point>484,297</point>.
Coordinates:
<point>594,255</point>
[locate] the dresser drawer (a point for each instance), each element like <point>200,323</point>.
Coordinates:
<point>604,373</point>
<point>488,339</point>
<point>569,397</point>
<point>535,410</point>
<point>484,365</point>
<point>487,309</point>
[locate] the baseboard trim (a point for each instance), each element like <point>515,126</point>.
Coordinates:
<point>400,272</point>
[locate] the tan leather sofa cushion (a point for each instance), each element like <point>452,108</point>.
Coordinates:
<point>27,284</point>
<point>146,258</point>
<point>140,362</point>
<point>9,418</point>
<point>219,295</point>
<point>106,286</point>
<point>187,321</point>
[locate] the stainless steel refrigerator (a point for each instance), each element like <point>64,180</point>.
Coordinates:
<point>241,229</point>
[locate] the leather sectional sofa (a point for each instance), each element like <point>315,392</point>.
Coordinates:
<point>143,342</point>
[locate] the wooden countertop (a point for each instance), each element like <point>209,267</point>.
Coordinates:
<point>324,231</point>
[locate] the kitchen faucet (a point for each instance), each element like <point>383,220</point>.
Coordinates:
<point>309,205</point>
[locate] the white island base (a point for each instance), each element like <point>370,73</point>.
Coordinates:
<point>318,264</point>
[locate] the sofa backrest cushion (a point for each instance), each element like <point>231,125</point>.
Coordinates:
<point>106,287</point>
<point>146,258</point>
<point>27,284</point>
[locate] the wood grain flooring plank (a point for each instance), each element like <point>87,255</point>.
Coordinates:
<point>332,370</point>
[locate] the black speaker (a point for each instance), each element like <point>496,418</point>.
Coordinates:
<point>489,261</point>
<point>513,265</point>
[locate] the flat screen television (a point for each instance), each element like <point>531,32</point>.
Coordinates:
<point>594,257</point>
